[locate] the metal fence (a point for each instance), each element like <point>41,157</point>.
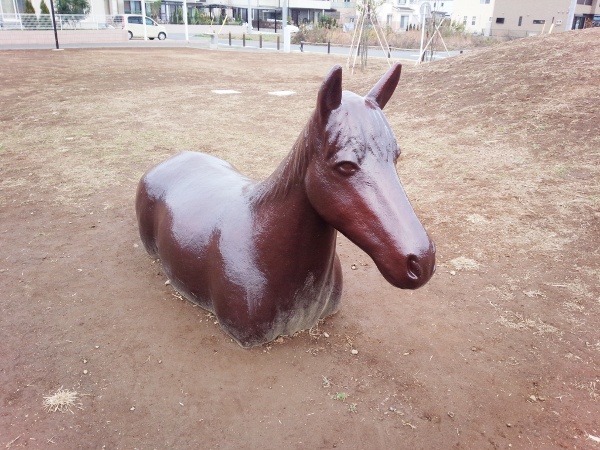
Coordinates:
<point>63,22</point>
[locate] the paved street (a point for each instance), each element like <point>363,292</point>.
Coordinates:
<point>199,36</point>
<point>253,43</point>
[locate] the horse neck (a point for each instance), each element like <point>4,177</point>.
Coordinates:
<point>288,179</point>
<point>281,207</point>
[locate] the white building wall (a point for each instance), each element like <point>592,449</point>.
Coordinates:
<point>8,7</point>
<point>519,18</point>
<point>516,18</point>
<point>444,6</point>
<point>399,14</point>
<point>475,15</point>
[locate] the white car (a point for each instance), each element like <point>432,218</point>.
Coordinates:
<point>134,25</point>
<point>292,28</point>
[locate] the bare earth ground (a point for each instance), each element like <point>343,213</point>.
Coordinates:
<point>501,349</point>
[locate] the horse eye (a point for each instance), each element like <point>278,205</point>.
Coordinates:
<point>347,168</point>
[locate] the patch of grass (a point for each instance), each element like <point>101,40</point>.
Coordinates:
<point>561,170</point>
<point>534,294</point>
<point>342,396</point>
<point>591,387</point>
<point>63,401</point>
<point>462,263</point>
<point>517,321</point>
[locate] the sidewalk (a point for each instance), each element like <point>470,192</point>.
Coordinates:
<point>220,29</point>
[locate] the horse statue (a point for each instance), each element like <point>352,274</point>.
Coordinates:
<point>261,256</point>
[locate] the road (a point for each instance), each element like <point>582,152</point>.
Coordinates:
<point>253,43</point>
<point>199,36</point>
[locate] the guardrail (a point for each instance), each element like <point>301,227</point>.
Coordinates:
<point>374,47</point>
<point>63,22</point>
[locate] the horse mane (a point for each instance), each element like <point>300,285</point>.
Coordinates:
<point>292,170</point>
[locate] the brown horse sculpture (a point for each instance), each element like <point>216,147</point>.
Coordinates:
<point>262,256</point>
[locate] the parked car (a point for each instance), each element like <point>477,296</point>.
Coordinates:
<point>134,24</point>
<point>292,28</point>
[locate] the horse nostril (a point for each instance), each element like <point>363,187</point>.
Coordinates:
<point>413,268</point>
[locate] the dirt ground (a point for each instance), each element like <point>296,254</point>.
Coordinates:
<point>500,350</point>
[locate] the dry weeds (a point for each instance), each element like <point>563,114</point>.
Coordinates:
<point>518,321</point>
<point>464,263</point>
<point>63,400</point>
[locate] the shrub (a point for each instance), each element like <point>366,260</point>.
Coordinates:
<point>45,22</point>
<point>455,40</point>
<point>29,9</point>
<point>30,21</point>
<point>73,7</point>
<point>44,8</point>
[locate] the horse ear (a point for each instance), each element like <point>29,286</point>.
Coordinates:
<point>385,87</point>
<point>330,94</point>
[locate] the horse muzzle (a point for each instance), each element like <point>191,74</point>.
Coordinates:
<point>410,271</point>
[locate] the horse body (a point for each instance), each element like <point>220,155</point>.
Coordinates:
<point>261,256</point>
<point>265,269</point>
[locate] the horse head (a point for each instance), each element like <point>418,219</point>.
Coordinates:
<point>352,183</point>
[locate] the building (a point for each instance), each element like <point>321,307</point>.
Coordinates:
<point>512,18</point>
<point>400,15</point>
<point>518,18</point>
<point>474,15</point>
<point>262,12</point>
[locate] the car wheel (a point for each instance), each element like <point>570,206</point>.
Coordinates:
<point>130,34</point>
<point>151,38</point>
<point>162,36</point>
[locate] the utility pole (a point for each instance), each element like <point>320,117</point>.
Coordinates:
<point>571,16</point>
<point>286,32</point>
<point>185,20</point>
<point>144,19</point>
<point>425,11</point>
<point>249,16</point>
<point>54,24</point>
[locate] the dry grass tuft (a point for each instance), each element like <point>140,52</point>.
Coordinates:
<point>63,401</point>
<point>591,387</point>
<point>462,263</point>
<point>517,321</point>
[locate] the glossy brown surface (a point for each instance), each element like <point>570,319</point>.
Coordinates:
<point>261,255</point>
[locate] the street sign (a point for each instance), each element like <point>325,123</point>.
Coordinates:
<point>425,9</point>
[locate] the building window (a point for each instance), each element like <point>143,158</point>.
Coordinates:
<point>132,7</point>
<point>473,20</point>
<point>402,2</point>
<point>404,22</point>
<point>499,19</point>
<point>539,22</point>
<point>520,20</point>
<point>484,2</point>
<point>465,20</point>
<point>584,2</point>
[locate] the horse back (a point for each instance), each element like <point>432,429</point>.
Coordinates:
<point>187,190</point>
